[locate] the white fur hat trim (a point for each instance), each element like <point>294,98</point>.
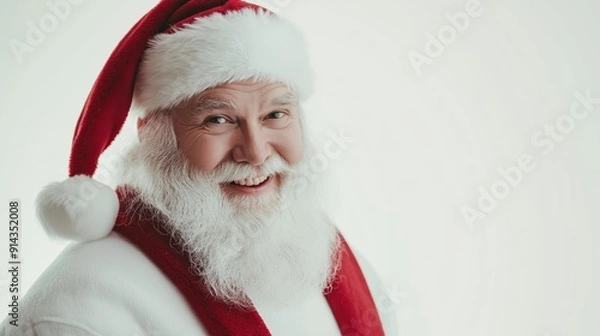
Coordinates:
<point>219,49</point>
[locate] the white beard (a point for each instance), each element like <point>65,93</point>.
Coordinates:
<point>277,247</point>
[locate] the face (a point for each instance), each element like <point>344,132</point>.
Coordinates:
<point>243,122</point>
<point>247,243</point>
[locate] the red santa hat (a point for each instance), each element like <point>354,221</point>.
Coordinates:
<point>178,49</point>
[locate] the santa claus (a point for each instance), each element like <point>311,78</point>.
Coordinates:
<point>209,231</point>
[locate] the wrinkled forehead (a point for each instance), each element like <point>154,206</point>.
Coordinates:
<point>233,96</point>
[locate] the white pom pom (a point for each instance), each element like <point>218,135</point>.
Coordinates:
<point>79,208</point>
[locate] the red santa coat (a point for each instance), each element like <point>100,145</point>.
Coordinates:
<point>108,287</point>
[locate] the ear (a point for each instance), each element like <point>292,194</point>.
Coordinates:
<point>140,123</point>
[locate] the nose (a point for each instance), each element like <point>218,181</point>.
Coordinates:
<point>253,146</point>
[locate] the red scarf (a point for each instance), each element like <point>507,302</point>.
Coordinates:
<point>350,300</point>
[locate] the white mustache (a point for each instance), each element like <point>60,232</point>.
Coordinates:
<point>230,171</point>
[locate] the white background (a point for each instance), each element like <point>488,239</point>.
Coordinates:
<point>421,147</point>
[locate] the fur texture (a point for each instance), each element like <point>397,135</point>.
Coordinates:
<point>276,247</point>
<point>219,49</point>
<point>79,208</point>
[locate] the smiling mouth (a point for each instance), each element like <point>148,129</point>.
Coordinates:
<point>251,182</point>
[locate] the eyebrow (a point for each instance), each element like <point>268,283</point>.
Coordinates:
<point>288,99</point>
<point>210,103</point>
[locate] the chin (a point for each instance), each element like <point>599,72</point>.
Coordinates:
<point>268,239</point>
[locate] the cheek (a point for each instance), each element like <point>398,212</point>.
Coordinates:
<point>206,154</point>
<point>202,152</point>
<point>291,145</point>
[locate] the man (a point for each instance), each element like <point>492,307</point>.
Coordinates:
<point>210,231</point>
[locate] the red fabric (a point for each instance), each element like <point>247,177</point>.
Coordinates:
<point>109,101</point>
<point>102,118</point>
<point>350,299</point>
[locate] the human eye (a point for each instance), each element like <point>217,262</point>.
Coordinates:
<point>276,115</point>
<point>215,120</point>
<point>217,124</point>
<point>277,119</point>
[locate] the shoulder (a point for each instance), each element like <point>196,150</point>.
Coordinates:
<point>48,327</point>
<point>104,286</point>
<point>92,268</point>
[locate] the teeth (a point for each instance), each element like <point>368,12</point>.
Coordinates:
<point>249,182</point>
